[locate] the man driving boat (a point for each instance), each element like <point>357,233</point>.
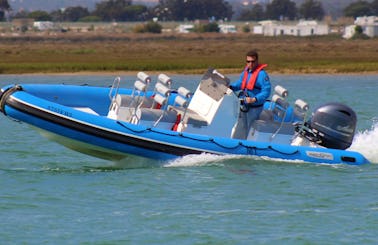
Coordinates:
<point>253,88</point>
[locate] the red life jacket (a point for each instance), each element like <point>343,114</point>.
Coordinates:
<point>252,80</point>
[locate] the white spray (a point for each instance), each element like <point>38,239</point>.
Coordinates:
<point>366,143</point>
<point>200,160</point>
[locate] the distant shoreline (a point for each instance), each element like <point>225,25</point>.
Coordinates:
<point>184,54</point>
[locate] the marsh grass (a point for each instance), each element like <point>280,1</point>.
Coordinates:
<point>183,53</point>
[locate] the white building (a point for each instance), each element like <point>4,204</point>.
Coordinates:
<point>185,28</point>
<point>265,27</point>
<point>43,25</point>
<point>369,25</point>
<point>310,28</point>
<point>227,28</point>
<point>303,28</point>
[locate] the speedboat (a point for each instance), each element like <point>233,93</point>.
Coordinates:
<point>157,121</point>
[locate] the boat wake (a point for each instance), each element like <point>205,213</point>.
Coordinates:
<point>207,159</point>
<point>204,159</point>
<point>366,143</point>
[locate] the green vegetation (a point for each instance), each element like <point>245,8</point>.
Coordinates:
<point>361,8</point>
<point>152,27</point>
<point>66,53</point>
<point>209,27</point>
<point>246,29</point>
<point>359,33</point>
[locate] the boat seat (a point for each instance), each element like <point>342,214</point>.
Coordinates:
<point>138,96</point>
<point>191,117</point>
<point>127,105</point>
<point>271,131</point>
<point>266,115</point>
<point>153,115</point>
<point>271,127</point>
<point>123,107</point>
<point>128,114</point>
<point>124,100</point>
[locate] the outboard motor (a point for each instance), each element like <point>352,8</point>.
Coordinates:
<point>334,125</point>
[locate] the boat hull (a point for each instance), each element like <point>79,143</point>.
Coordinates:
<point>97,135</point>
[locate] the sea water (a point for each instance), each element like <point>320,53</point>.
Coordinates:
<point>52,195</point>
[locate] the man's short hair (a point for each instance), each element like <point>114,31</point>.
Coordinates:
<point>253,53</point>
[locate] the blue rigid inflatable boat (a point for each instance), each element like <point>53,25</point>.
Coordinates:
<point>165,123</point>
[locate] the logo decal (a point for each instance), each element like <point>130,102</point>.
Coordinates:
<point>319,155</point>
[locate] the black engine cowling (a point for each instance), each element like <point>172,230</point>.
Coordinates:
<point>334,125</point>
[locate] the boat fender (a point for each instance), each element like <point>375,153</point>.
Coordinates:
<point>144,77</point>
<point>281,91</point>
<point>276,97</point>
<point>181,101</point>
<point>164,79</point>
<point>301,105</point>
<point>140,86</point>
<point>160,99</point>
<point>184,92</point>
<point>280,101</point>
<point>162,89</point>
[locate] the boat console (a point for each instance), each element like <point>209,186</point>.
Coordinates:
<point>213,109</point>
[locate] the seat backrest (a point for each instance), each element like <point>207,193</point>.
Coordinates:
<point>280,107</point>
